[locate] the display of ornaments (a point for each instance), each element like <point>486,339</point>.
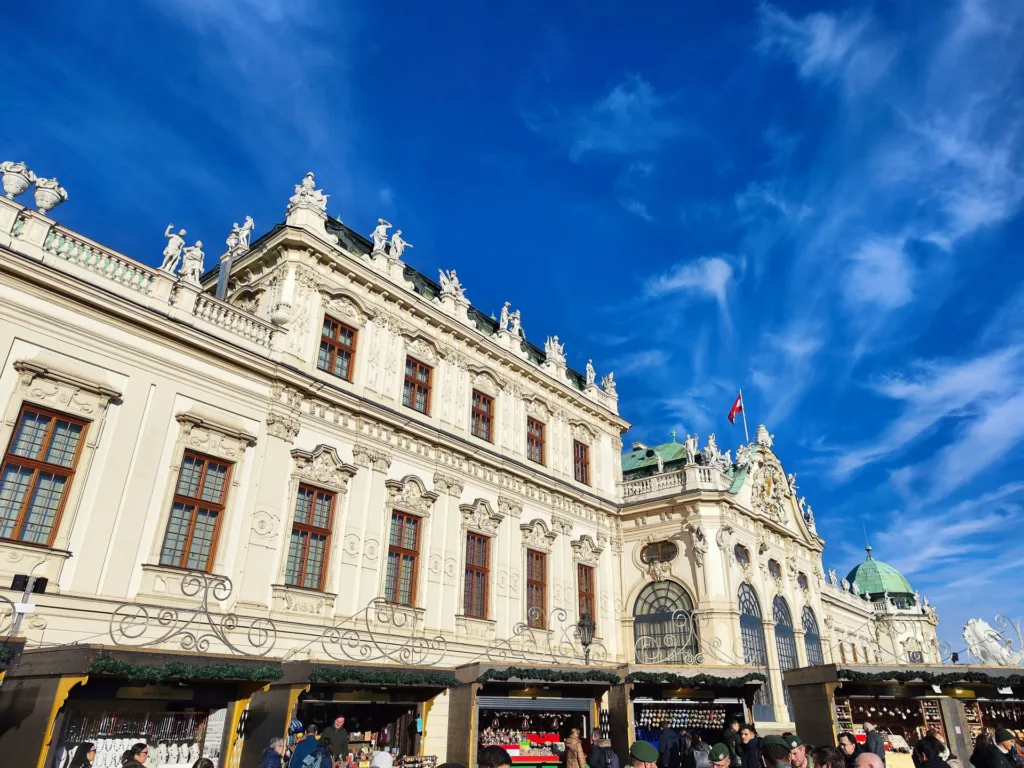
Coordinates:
<point>680,716</point>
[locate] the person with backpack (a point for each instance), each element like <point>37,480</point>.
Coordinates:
<point>669,747</point>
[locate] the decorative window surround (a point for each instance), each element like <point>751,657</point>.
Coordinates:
<point>473,630</point>
<point>409,495</point>
<point>323,467</point>
<point>478,517</point>
<point>585,551</point>
<point>162,584</point>
<point>62,386</point>
<point>537,536</point>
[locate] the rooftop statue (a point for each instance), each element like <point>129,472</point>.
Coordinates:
<point>308,195</point>
<point>553,351</point>
<point>506,314</point>
<point>591,373</point>
<point>450,285</point>
<point>239,237</point>
<point>172,253</point>
<point>517,325</point>
<point>743,456</point>
<point>832,577</point>
<point>690,446</point>
<point>763,438</point>
<point>398,245</point>
<point>608,383</point>
<point>380,236</point>
<point>192,264</point>
<point>711,450</point>
<point>49,194</point>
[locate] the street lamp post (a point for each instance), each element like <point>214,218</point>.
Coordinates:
<point>586,627</point>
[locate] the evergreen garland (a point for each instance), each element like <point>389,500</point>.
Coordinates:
<point>176,670</point>
<point>6,654</point>
<point>550,675</point>
<point>382,676</point>
<point>946,678</point>
<point>697,681</point>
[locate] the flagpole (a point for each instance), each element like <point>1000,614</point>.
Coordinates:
<point>743,410</point>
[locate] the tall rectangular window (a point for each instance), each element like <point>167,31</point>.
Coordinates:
<point>581,462</point>
<point>536,589</point>
<point>37,471</point>
<point>416,391</point>
<point>196,512</point>
<point>585,588</point>
<point>475,600</point>
<point>403,554</point>
<point>337,349</point>
<point>535,440</point>
<point>483,416</point>
<point>311,538</point>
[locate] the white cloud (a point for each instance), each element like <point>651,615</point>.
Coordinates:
<point>784,368</point>
<point>641,361</point>
<point>386,196</point>
<point>636,207</point>
<point>759,195</point>
<point>935,391</point>
<point>630,119</point>
<point>709,276</point>
<point>880,275</point>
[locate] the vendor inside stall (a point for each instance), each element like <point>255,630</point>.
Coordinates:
<point>359,728</point>
<point>532,736</point>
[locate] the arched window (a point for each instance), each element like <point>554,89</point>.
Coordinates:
<point>659,552</point>
<point>754,650</point>
<point>812,640</point>
<point>742,554</point>
<point>785,641</point>
<point>664,631</point>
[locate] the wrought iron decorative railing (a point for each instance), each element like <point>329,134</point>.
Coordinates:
<point>139,625</point>
<point>543,639</point>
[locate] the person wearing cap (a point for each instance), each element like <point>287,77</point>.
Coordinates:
<point>798,756</point>
<point>1000,754</point>
<point>719,756</point>
<point>643,755</point>
<point>775,751</point>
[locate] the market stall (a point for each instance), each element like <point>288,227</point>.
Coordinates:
<point>181,708</point>
<point>529,711</point>
<point>385,708</point>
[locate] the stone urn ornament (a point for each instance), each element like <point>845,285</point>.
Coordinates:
<point>16,178</point>
<point>49,194</point>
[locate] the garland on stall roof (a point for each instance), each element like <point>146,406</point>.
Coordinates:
<point>697,681</point>
<point>946,678</point>
<point>382,676</point>
<point>176,670</point>
<point>550,675</point>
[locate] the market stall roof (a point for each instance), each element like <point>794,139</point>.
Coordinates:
<point>934,674</point>
<point>327,671</point>
<point>528,673</point>
<point>700,676</point>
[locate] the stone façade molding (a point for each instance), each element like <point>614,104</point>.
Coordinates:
<point>62,386</point>
<point>585,551</point>
<point>410,495</point>
<point>449,484</point>
<point>367,457</point>
<point>323,467</point>
<point>209,434</point>
<point>537,536</point>
<point>479,517</point>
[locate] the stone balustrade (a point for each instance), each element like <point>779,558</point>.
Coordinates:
<point>103,262</point>
<point>690,478</point>
<point>234,320</point>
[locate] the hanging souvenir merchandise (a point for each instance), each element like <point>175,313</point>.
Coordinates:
<point>652,716</point>
<point>900,721</point>
<point>1003,714</point>
<point>531,736</point>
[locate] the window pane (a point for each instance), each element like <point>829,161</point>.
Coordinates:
<point>64,444</point>
<point>42,510</point>
<point>409,535</point>
<point>303,503</point>
<point>391,580</point>
<point>410,367</point>
<point>315,561</point>
<point>408,565</point>
<point>322,510</point>
<point>188,479</point>
<point>213,486</point>
<point>28,441</point>
<point>296,549</point>
<point>407,394</point>
<point>202,539</point>
<point>323,357</point>
<point>341,364</point>
<point>13,487</point>
<point>177,532</point>
<point>396,531</point>
<point>328,329</point>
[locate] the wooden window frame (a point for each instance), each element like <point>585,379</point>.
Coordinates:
<point>586,599</point>
<point>485,417</point>
<point>401,552</point>
<point>312,530</point>
<point>416,384</point>
<point>37,466</point>
<point>535,440</point>
<point>581,462</point>
<point>199,505</point>
<point>541,584</point>
<point>335,346</point>
<point>468,592</point>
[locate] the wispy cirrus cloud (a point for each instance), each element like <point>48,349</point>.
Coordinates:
<point>708,276</point>
<point>636,207</point>
<point>879,275</point>
<point>641,361</point>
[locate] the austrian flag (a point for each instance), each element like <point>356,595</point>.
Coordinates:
<point>737,407</point>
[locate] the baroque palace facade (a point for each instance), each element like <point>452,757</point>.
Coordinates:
<point>315,455</point>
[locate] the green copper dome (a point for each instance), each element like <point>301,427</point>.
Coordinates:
<point>876,578</point>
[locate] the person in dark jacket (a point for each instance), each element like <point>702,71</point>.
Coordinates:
<point>751,756</point>
<point>85,756</point>
<point>601,756</point>
<point>669,747</point>
<point>493,757</point>
<point>1000,753</point>
<point>338,736</point>
<point>926,754</point>
<point>875,743</point>
<point>731,739</point>
<point>850,748</point>
<point>304,748</point>
<point>135,757</point>
<point>981,745</point>
<point>272,755</point>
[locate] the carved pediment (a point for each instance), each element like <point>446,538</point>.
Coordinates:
<point>422,350</point>
<point>537,536</point>
<point>538,409</point>
<point>323,467</point>
<point>211,432</point>
<point>62,385</point>
<point>585,551</point>
<point>486,382</point>
<point>583,433</point>
<point>479,517</point>
<point>410,495</point>
<point>346,309</point>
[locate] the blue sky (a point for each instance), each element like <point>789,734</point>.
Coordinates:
<point>817,202</point>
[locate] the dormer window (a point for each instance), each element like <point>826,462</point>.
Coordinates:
<point>801,581</point>
<point>775,569</point>
<point>742,554</point>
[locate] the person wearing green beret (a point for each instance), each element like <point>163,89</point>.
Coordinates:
<point>719,756</point>
<point>643,755</point>
<point>775,751</point>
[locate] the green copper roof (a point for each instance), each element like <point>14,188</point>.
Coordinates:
<point>875,578</point>
<point>648,457</point>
